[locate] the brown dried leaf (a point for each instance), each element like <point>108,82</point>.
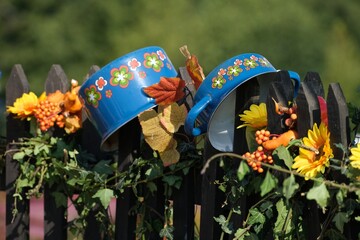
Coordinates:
<point>167,90</point>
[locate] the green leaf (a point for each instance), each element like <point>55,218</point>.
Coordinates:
<point>103,167</point>
<point>256,217</point>
<point>241,233</point>
<point>268,184</point>
<point>225,226</point>
<point>242,170</point>
<point>283,221</point>
<point>60,199</point>
<point>105,195</point>
<point>284,155</point>
<point>289,187</point>
<point>19,156</point>
<point>250,139</point>
<point>173,181</point>
<point>320,194</point>
<point>340,219</point>
<point>151,186</point>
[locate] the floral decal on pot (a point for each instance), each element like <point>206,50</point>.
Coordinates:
<point>101,83</point>
<point>218,82</point>
<point>233,71</point>
<point>92,96</point>
<point>250,63</point>
<point>153,61</point>
<point>121,76</point>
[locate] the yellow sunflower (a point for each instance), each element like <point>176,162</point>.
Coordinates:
<point>256,117</point>
<point>24,106</point>
<point>310,163</point>
<point>355,156</point>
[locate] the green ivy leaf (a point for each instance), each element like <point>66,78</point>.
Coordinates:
<point>103,167</point>
<point>173,181</point>
<point>340,219</point>
<point>105,195</point>
<point>19,156</point>
<point>241,233</point>
<point>320,194</point>
<point>284,155</point>
<point>225,226</point>
<point>283,224</point>
<point>242,170</point>
<point>151,186</point>
<point>289,187</point>
<point>60,199</point>
<point>268,184</point>
<point>256,217</point>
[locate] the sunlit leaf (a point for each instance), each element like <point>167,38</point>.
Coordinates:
<point>166,91</point>
<point>170,155</point>
<point>172,117</point>
<point>268,184</point>
<point>283,220</point>
<point>105,195</point>
<point>320,194</point>
<point>155,135</point>
<point>284,155</point>
<point>242,170</point>
<point>289,187</point>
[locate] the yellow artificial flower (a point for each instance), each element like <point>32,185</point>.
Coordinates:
<point>256,117</point>
<point>355,156</point>
<point>24,106</point>
<point>310,163</point>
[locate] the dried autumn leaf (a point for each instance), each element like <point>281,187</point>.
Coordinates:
<point>56,97</point>
<point>155,135</point>
<point>167,90</point>
<point>72,124</point>
<point>72,102</point>
<point>323,110</point>
<point>170,155</point>
<point>193,67</point>
<point>172,117</point>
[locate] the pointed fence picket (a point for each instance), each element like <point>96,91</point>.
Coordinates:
<point>196,188</point>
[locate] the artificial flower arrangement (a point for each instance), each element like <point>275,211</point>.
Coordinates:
<point>53,157</point>
<point>286,174</point>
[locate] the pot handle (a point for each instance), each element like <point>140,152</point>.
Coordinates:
<point>192,115</point>
<point>296,78</point>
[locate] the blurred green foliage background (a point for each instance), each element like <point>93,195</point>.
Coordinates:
<point>298,35</point>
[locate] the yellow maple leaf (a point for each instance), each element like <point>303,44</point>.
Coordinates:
<point>172,116</point>
<point>155,135</point>
<point>170,155</point>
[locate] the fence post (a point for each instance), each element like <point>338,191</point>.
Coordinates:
<point>17,84</point>
<point>338,119</point>
<point>308,109</point>
<point>55,220</point>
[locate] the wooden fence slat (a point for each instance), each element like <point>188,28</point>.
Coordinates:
<point>313,80</point>
<point>210,197</point>
<point>338,119</point>
<point>307,108</point>
<point>184,208</point>
<point>129,146</point>
<point>55,221</point>
<point>17,84</point>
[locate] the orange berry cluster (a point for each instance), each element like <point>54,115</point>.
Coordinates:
<point>260,155</point>
<point>48,114</point>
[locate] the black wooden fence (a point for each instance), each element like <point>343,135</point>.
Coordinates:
<point>197,188</point>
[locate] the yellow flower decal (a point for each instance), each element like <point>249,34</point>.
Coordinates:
<point>310,163</point>
<point>355,156</point>
<point>256,117</point>
<point>24,106</point>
